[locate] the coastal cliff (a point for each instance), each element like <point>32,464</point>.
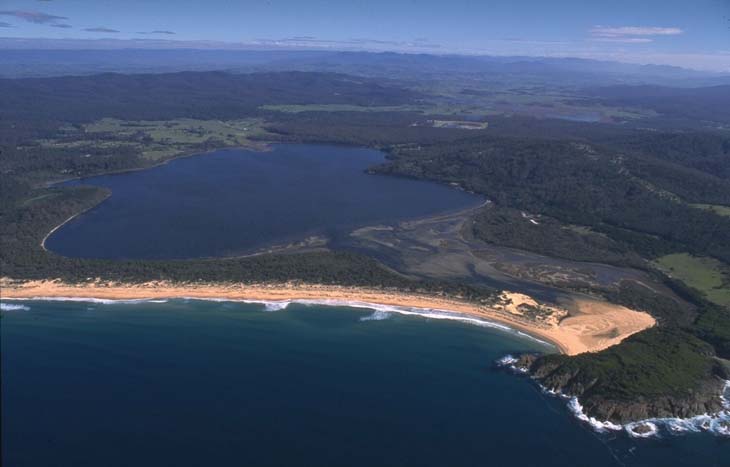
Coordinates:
<point>662,382</point>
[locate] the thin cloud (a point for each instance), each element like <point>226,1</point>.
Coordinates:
<point>623,31</point>
<point>357,43</point>
<point>305,39</point>
<point>101,29</point>
<point>3,24</point>
<point>624,40</point>
<point>524,41</point>
<point>36,17</point>
<point>631,34</point>
<point>159,31</point>
<point>60,25</point>
<point>374,41</point>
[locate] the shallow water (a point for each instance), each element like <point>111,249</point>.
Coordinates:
<point>219,383</point>
<point>235,201</point>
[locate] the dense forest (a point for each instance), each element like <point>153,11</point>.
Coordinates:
<point>184,94</point>
<point>577,184</point>
<point>700,104</point>
<point>614,194</point>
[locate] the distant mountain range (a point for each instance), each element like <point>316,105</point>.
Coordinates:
<point>20,59</point>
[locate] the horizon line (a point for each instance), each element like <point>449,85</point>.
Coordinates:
<point>266,45</point>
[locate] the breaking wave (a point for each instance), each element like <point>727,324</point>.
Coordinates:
<point>102,301</point>
<point>510,361</point>
<point>577,409</point>
<point>276,306</point>
<point>717,424</point>
<point>378,315</point>
<point>13,307</point>
<point>379,311</point>
<point>429,313</point>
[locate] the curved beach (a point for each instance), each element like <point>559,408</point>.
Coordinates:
<point>595,325</point>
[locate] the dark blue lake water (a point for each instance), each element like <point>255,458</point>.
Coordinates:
<point>229,384</point>
<point>232,202</point>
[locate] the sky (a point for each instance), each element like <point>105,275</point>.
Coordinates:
<point>689,33</point>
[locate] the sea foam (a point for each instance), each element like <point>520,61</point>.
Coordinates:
<point>577,409</point>
<point>429,313</point>
<point>378,315</point>
<point>275,305</point>
<point>509,361</point>
<point>13,307</point>
<point>384,311</point>
<point>717,424</point>
<point>101,301</point>
<point>381,312</point>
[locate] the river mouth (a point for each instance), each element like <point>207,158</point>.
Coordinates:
<point>235,202</point>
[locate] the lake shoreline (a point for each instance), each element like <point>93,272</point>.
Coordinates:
<point>567,336</point>
<point>74,216</point>
<point>347,196</point>
<point>262,146</point>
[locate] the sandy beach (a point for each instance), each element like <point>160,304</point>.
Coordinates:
<point>595,325</point>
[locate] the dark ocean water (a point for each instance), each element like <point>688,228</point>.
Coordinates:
<point>191,383</point>
<point>232,202</point>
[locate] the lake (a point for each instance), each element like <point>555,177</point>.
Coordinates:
<point>235,201</point>
<point>190,383</point>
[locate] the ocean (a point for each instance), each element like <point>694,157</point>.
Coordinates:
<point>190,383</point>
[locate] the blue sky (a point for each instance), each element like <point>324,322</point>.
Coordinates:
<point>693,33</point>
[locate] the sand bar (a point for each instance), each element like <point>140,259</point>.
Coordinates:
<point>595,325</point>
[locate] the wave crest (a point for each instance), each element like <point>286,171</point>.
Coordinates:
<point>378,315</point>
<point>13,307</point>
<point>717,424</point>
<point>102,301</point>
<point>275,305</point>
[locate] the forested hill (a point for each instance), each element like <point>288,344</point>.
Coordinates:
<point>185,94</point>
<point>625,197</point>
<point>705,103</point>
